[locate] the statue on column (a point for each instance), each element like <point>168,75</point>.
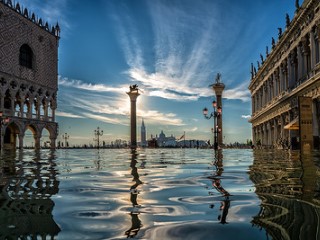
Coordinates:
<point>133,88</point>
<point>218,78</point>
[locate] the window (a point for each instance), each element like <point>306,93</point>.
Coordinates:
<point>26,55</point>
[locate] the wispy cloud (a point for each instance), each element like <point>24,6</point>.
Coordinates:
<point>79,84</point>
<point>106,119</point>
<point>181,65</point>
<point>246,116</point>
<point>68,114</point>
<point>94,105</point>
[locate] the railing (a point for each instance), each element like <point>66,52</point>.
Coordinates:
<point>26,115</point>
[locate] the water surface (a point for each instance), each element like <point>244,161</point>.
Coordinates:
<point>159,194</point>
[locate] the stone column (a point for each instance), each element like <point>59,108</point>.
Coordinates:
<point>2,102</point>
<point>275,133</point>
<point>37,138</point>
<point>22,108</point>
<point>133,94</point>
<point>45,109</point>
<point>290,70</point>
<point>2,136</point>
<point>300,62</point>
<point>37,107</point>
<point>53,142</point>
<point>312,49</point>
<point>21,136</point>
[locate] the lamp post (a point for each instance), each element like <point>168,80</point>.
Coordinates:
<point>65,137</point>
<point>215,115</point>
<point>97,134</point>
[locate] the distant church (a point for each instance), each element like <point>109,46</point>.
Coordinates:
<point>28,76</point>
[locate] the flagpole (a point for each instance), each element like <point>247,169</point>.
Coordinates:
<point>184,139</point>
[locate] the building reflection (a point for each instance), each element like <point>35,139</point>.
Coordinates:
<point>134,192</point>
<point>217,184</point>
<point>25,204</point>
<point>287,184</point>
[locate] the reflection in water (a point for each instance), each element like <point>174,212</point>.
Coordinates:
<point>216,183</point>
<point>287,184</point>
<point>135,221</point>
<point>26,185</point>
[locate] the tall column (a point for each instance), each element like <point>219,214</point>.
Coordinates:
<point>290,70</point>
<point>37,141</point>
<point>2,102</point>
<point>133,94</point>
<point>218,88</point>
<point>312,49</point>
<point>21,136</point>
<point>53,142</point>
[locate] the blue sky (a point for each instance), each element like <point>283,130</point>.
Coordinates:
<point>172,49</point>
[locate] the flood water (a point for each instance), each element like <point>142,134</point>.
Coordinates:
<point>159,194</point>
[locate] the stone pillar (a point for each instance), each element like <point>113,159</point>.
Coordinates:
<point>306,55</point>
<point>133,94</point>
<point>21,136</point>
<point>290,70</point>
<point>21,108</point>
<point>300,62</point>
<point>3,131</point>
<point>312,49</point>
<point>37,141</point>
<point>53,142</point>
<point>2,102</point>
<point>275,133</point>
<point>45,109</point>
<point>37,107</point>
<point>218,88</point>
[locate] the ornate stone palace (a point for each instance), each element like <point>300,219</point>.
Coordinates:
<point>283,81</point>
<point>28,75</point>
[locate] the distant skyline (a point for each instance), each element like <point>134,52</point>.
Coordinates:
<point>171,49</point>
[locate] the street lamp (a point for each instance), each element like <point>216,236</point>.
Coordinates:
<point>215,114</point>
<point>97,134</point>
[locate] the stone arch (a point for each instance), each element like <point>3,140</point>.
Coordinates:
<point>9,135</point>
<point>52,129</point>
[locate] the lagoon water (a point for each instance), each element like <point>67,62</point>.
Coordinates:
<point>159,194</point>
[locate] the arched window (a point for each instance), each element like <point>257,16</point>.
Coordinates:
<point>26,56</point>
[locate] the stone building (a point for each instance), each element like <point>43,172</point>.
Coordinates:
<point>28,75</point>
<point>285,87</point>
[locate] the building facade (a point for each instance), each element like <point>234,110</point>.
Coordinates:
<point>289,73</point>
<point>28,75</point>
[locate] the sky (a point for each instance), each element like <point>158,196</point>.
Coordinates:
<point>172,49</point>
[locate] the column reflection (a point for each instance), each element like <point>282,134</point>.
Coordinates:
<point>217,184</point>
<point>134,192</point>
